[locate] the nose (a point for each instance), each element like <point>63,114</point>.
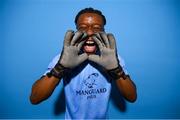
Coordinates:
<point>90,32</point>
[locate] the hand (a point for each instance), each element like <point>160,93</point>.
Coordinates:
<point>107,46</point>
<point>70,56</point>
<point>73,42</point>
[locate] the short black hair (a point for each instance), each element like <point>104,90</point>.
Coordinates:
<point>90,10</point>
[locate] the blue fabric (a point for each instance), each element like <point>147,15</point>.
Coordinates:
<point>87,92</point>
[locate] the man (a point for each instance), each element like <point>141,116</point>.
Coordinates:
<point>88,65</point>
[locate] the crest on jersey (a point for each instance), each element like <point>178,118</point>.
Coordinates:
<point>90,80</point>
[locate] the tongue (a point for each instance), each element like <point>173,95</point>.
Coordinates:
<point>90,49</point>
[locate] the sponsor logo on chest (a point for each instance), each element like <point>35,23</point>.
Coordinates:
<point>91,91</point>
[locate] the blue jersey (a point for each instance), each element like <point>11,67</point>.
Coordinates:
<point>87,92</point>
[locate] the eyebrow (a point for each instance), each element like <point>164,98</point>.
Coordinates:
<point>88,25</point>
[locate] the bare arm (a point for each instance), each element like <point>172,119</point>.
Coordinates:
<point>127,88</point>
<point>43,88</point>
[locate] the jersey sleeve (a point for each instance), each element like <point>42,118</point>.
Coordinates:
<point>52,64</point>
<point>122,63</point>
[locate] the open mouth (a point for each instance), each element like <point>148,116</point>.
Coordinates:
<point>90,43</point>
<point>90,46</point>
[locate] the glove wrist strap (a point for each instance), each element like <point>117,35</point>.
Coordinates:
<point>58,71</point>
<point>117,73</point>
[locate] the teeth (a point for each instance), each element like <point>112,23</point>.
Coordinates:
<point>90,42</point>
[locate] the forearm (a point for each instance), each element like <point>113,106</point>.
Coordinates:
<point>69,59</point>
<point>127,88</point>
<point>124,83</point>
<point>43,88</point>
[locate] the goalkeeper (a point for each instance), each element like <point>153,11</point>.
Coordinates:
<point>87,65</point>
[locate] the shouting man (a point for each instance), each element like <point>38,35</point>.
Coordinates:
<point>88,64</point>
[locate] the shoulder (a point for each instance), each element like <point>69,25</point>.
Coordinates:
<point>52,64</point>
<point>121,60</point>
<point>122,64</point>
<point>54,61</point>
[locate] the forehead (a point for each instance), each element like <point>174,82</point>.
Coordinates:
<point>90,18</point>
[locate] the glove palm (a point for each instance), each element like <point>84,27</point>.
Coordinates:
<point>108,57</point>
<point>70,56</point>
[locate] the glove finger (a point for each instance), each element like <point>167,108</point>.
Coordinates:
<point>112,41</point>
<point>77,36</point>
<point>68,36</point>
<point>99,37</point>
<point>82,57</point>
<point>98,42</point>
<point>80,45</point>
<point>105,39</point>
<point>84,36</point>
<point>94,58</point>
